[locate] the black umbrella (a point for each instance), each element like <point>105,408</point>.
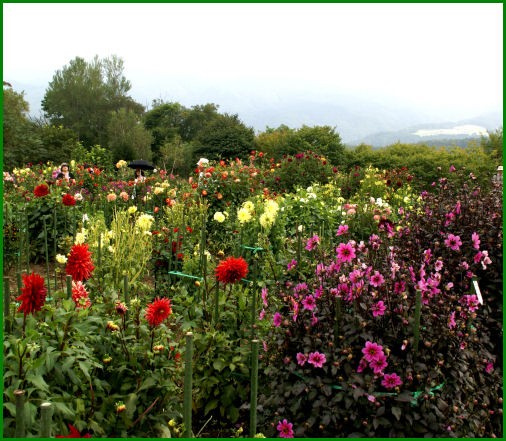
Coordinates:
<point>142,164</point>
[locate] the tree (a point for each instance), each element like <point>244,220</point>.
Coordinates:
<point>21,143</point>
<point>128,139</point>
<point>224,138</point>
<point>83,94</point>
<point>176,156</point>
<point>323,140</point>
<point>493,145</point>
<point>277,142</point>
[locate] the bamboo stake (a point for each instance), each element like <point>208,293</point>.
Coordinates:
<point>47,259</point>
<point>126,293</point>
<point>7,304</point>
<point>69,286</point>
<point>46,414</point>
<point>20,413</point>
<point>187,403</point>
<point>254,389</point>
<point>416,325</point>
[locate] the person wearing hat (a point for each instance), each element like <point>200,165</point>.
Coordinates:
<point>65,172</point>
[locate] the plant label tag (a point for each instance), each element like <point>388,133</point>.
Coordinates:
<point>477,291</point>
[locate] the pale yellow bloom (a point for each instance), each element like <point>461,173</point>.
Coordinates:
<point>219,217</point>
<point>243,215</point>
<point>144,222</point>
<point>158,190</point>
<point>121,163</point>
<point>248,205</point>
<point>80,238</point>
<point>60,258</point>
<point>267,219</point>
<point>132,209</point>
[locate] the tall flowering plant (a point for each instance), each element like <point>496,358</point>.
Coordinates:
<point>374,332</point>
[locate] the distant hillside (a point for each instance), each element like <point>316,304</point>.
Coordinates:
<point>448,133</point>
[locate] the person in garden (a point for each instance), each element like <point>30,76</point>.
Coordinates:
<point>139,175</point>
<point>65,172</point>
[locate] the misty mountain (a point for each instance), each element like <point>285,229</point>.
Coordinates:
<point>357,119</point>
<point>442,133</point>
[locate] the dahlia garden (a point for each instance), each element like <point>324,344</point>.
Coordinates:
<point>253,299</point>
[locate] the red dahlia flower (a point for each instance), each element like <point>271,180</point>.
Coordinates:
<point>33,294</point>
<point>68,200</point>
<point>158,311</point>
<point>41,190</point>
<point>74,433</point>
<point>80,295</point>
<point>79,264</point>
<point>231,270</point>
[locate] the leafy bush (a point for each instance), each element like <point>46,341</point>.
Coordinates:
<point>409,291</point>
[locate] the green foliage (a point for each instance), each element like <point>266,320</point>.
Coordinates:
<point>21,142</point>
<point>96,156</point>
<point>226,137</point>
<point>58,142</point>
<point>424,162</point>
<point>300,170</point>
<point>493,145</point>
<point>127,138</point>
<point>323,140</point>
<point>71,358</point>
<point>82,95</point>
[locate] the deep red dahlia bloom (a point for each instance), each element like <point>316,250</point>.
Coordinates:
<point>33,294</point>
<point>231,270</point>
<point>41,190</point>
<point>80,296</point>
<point>79,264</point>
<point>74,433</point>
<point>68,200</point>
<point>158,311</point>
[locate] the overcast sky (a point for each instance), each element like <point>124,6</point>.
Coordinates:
<point>441,57</point>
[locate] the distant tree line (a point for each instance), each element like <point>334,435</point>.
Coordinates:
<point>87,109</point>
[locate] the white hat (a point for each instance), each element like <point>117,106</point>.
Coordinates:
<point>499,168</point>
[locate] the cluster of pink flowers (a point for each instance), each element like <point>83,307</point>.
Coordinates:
<point>316,358</point>
<point>312,242</point>
<point>375,358</point>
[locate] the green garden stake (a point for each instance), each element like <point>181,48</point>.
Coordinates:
<point>47,259</point>
<point>20,284</point>
<point>254,389</point>
<point>416,328</point>
<point>187,402</point>
<point>7,304</point>
<point>253,312</point>
<point>20,413</point>
<point>99,251</point>
<point>69,286</point>
<point>46,414</point>
<point>337,319</point>
<point>216,303</point>
<point>127,296</point>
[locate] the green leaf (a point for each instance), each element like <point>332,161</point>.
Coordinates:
<point>64,409</point>
<point>396,412</point>
<point>210,406</point>
<point>218,365</point>
<point>38,382</point>
<point>147,383</point>
<point>233,413</point>
<point>11,407</point>
<point>84,369</point>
